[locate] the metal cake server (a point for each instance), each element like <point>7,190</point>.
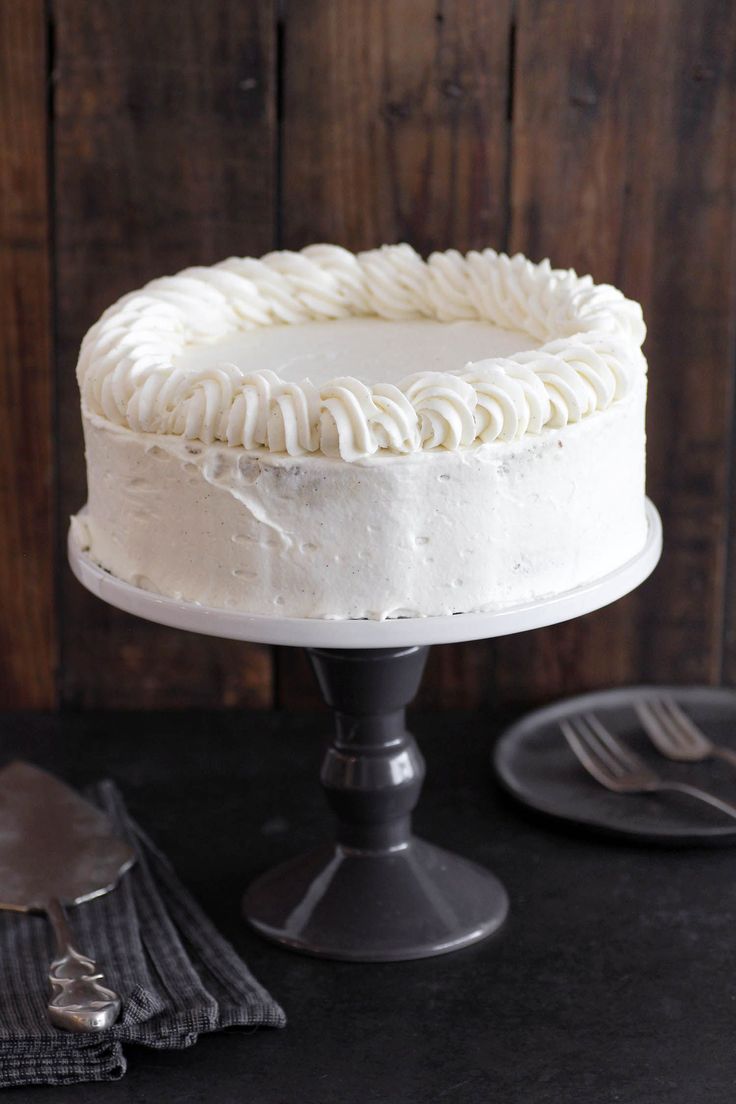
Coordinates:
<point>55,850</point>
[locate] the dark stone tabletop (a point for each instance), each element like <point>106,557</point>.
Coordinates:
<point>613,980</point>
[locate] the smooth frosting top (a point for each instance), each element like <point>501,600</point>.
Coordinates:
<point>521,346</point>
<point>373,350</point>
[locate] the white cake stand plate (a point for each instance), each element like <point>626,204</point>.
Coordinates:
<point>304,632</point>
<point>376,893</point>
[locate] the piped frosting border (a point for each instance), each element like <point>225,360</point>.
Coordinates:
<point>590,353</point>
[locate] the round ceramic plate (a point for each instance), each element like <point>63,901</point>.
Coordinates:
<point>533,762</point>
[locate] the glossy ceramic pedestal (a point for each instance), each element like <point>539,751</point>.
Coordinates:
<point>377,893</point>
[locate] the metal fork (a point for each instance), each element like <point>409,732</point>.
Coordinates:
<point>619,769</point>
<point>675,735</point>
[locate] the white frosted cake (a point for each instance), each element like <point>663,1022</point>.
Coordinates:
<point>323,434</point>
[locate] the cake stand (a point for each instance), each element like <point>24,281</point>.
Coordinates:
<point>376,893</point>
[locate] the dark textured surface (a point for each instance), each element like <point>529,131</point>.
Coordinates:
<point>27,623</point>
<point>612,982</point>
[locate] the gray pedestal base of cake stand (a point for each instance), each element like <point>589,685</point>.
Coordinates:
<point>377,893</point>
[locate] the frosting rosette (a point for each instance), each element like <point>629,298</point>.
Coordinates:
<point>587,352</point>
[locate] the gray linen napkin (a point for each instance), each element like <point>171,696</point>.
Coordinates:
<point>176,975</point>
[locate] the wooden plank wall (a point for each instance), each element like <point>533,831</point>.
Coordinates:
<point>165,153</point>
<point>133,143</point>
<point>27,622</point>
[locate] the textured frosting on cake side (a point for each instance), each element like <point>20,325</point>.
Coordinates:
<point>329,435</point>
<point>431,533</point>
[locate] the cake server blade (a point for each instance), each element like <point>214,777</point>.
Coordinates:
<point>56,850</point>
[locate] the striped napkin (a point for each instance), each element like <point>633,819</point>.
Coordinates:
<point>176,975</point>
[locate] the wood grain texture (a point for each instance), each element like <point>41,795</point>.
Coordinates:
<point>623,167</point>
<point>601,134</point>
<point>27,627</point>
<point>395,128</point>
<point>395,123</point>
<point>165,153</point>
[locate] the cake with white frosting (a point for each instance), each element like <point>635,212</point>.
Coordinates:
<point>323,434</point>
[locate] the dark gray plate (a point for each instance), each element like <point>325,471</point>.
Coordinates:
<point>535,765</point>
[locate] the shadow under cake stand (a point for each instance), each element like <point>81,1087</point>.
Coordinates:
<point>377,892</point>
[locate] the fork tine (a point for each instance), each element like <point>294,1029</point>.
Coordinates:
<point>623,755</point>
<point>686,726</point>
<point>591,762</point>
<point>597,747</point>
<point>669,731</point>
<point>657,728</point>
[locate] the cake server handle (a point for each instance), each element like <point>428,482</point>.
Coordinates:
<point>78,1002</point>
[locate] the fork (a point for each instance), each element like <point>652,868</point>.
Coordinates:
<point>675,735</point>
<point>619,769</point>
